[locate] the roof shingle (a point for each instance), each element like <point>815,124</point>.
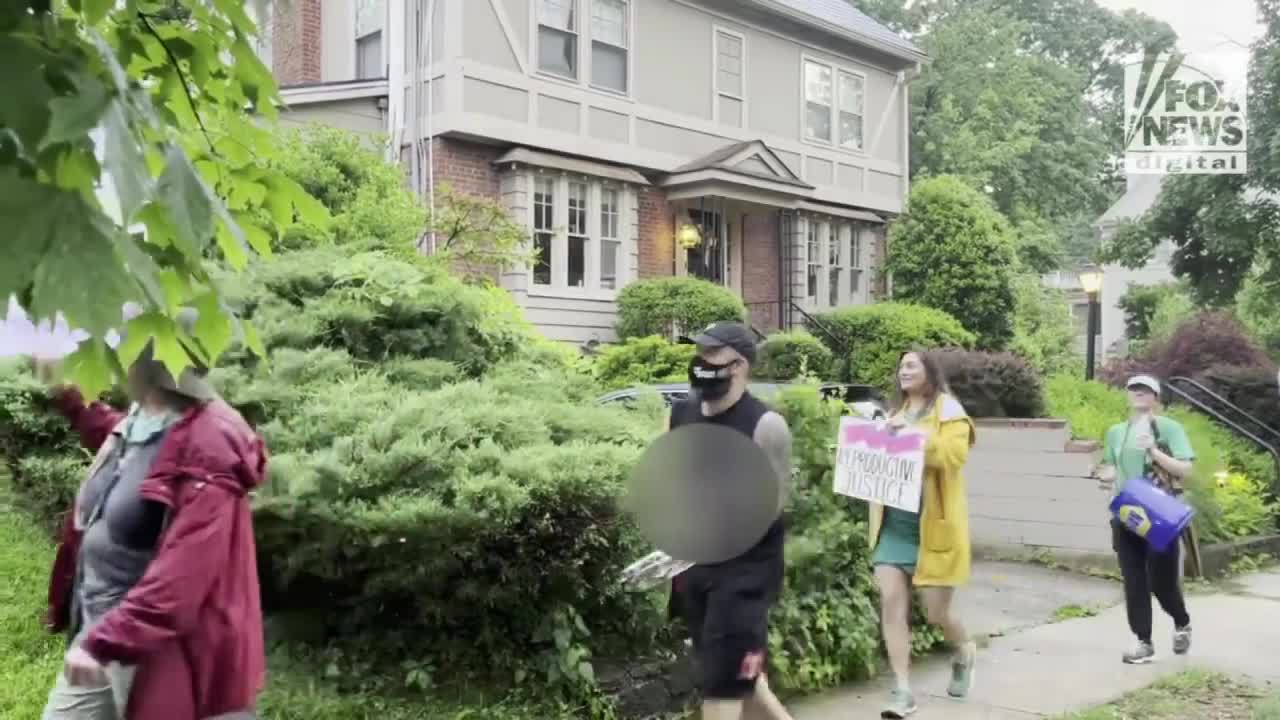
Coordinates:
<point>843,14</point>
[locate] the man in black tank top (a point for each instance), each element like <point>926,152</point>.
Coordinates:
<point>726,605</point>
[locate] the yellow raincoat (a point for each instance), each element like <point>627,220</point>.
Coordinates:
<point>944,558</point>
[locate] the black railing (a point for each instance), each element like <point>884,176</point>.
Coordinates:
<point>1237,421</point>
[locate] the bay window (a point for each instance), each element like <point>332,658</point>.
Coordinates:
<point>855,262</point>
<point>835,268</point>
<point>834,263</point>
<point>834,105</point>
<point>814,256</point>
<point>577,234</point>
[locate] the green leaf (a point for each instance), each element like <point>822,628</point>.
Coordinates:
<point>25,109</point>
<point>95,10</point>
<point>259,239</point>
<point>310,210</point>
<point>124,162</point>
<point>142,267</point>
<point>213,326</point>
<point>251,339</point>
<point>189,202</point>
<point>71,117</point>
<point>90,368</point>
<point>162,332</point>
<point>233,247</point>
<point>176,289</point>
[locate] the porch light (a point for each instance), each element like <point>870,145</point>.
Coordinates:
<point>1091,280</point>
<point>689,236</point>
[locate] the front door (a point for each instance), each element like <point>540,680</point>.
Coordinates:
<point>716,258</point>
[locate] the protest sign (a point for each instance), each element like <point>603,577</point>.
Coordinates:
<point>877,465</point>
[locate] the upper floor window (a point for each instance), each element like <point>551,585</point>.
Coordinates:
<point>608,36</point>
<point>558,37</point>
<point>730,77</point>
<point>833,105</point>
<point>370,20</point>
<point>609,46</point>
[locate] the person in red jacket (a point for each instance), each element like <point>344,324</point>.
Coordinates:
<point>155,578</point>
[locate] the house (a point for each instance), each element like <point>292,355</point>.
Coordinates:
<point>759,144</point>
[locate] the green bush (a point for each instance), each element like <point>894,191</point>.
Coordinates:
<point>1043,329</point>
<point>790,355</point>
<point>1252,388</point>
<point>643,361</point>
<point>993,385</point>
<point>1221,511</point>
<point>868,339</point>
<point>952,250</point>
<point>371,205</point>
<point>670,306</point>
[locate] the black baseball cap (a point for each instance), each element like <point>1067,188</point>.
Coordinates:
<point>727,334</point>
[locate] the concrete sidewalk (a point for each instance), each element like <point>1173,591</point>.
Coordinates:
<point>1061,667</point>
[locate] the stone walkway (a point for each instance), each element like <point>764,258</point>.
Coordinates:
<point>1044,670</point>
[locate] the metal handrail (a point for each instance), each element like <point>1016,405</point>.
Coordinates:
<point>833,340</point>
<point>1228,404</point>
<point>1204,408</point>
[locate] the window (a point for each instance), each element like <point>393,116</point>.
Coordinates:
<point>262,43</point>
<point>578,239</point>
<point>370,19</point>
<point>610,244</point>
<point>855,264</point>
<point>834,268</point>
<point>578,234</point>
<point>558,38</point>
<point>609,44</point>
<point>834,102</point>
<point>730,77</point>
<point>544,202</point>
<point>850,111</point>
<point>814,262</point>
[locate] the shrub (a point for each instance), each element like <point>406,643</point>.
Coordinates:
<point>643,361</point>
<point>1199,343</point>
<point>952,250</point>
<point>790,355</point>
<point>1139,304</point>
<point>1246,512</point>
<point>1256,305</point>
<point>868,339</point>
<point>995,385</point>
<point>1044,331</point>
<point>1252,389</point>
<point>669,306</point>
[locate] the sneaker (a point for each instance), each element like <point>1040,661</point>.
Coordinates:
<point>1141,654</point>
<point>962,670</point>
<point>1181,640</point>
<point>901,704</point>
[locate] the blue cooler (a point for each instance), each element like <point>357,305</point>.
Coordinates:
<point>1151,513</point>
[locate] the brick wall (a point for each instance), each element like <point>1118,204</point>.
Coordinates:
<point>467,166</point>
<point>657,235</point>
<point>295,42</point>
<point>761,249</point>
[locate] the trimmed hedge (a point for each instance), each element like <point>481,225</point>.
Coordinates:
<point>670,306</point>
<point>790,355</point>
<point>867,340</point>
<point>993,385</point>
<point>643,361</point>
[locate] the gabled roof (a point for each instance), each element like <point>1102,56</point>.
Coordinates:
<point>841,15</point>
<point>751,158</point>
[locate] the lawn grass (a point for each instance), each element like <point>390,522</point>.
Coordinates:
<point>297,690</point>
<point>1190,695</point>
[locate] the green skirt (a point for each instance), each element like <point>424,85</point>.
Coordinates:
<point>899,544</point>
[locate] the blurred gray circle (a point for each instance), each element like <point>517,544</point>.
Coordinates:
<point>704,493</point>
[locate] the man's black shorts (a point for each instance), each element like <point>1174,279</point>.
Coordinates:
<point>726,608</point>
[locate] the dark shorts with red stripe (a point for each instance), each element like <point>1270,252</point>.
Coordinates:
<point>726,608</point>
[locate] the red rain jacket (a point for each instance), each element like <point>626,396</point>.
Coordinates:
<point>193,623</point>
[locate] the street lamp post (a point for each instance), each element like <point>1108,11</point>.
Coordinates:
<point>1091,281</point>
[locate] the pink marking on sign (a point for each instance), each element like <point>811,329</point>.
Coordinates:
<point>877,439</point>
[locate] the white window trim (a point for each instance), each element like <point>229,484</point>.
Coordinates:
<point>836,230</point>
<point>382,46</point>
<point>836,69</point>
<point>559,287</point>
<point>583,80</point>
<point>716,92</point>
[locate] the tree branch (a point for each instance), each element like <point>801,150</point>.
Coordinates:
<point>186,83</point>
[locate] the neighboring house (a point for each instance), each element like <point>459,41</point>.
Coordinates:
<point>759,144</point>
<point>1140,195</point>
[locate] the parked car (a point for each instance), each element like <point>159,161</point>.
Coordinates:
<point>866,400</point>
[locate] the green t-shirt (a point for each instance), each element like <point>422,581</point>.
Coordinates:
<point>1119,449</point>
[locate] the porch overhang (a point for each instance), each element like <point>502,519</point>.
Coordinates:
<point>736,186</point>
<point>577,166</point>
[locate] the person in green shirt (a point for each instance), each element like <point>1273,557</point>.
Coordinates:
<point>1133,449</point>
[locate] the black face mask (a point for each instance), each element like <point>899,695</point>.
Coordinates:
<point>711,381</point>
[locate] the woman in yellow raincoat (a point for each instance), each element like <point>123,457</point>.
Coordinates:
<point>929,549</point>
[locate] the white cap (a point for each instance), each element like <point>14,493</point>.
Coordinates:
<point>1144,381</point>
